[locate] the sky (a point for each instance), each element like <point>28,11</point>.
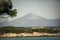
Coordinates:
<point>49,9</point>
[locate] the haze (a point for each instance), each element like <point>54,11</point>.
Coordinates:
<point>49,9</point>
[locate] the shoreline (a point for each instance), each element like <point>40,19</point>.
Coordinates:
<point>34,34</point>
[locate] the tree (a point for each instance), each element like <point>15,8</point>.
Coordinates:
<point>6,8</point>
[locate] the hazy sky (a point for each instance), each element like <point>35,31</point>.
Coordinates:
<point>49,9</point>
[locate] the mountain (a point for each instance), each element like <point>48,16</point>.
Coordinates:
<point>32,20</point>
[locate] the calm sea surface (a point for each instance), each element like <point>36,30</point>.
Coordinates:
<point>32,38</point>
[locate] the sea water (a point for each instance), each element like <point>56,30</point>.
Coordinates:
<point>32,38</point>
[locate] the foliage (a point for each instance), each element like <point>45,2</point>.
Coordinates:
<point>6,8</point>
<point>12,29</point>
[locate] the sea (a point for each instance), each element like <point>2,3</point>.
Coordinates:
<point>31,38</point>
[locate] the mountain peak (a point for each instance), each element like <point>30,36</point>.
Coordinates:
<point>32,19</point>
<point>32,16</point>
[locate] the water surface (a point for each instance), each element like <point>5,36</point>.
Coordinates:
<point>32,38</point>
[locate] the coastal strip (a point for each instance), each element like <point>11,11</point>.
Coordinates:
<point>28,34</point>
